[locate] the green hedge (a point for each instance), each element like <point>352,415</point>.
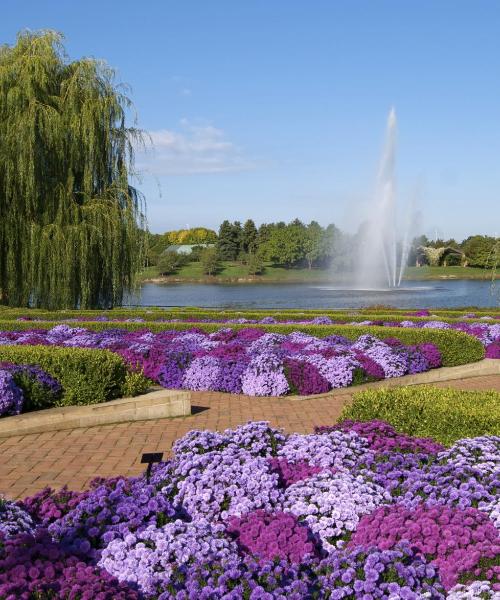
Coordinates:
<point>443,414</point>
<point>456,347</point>
<point>281,315</point>
<point>87,376</point>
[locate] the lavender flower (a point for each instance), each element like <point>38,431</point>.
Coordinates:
<point>331,505</point>
<point>148,558</point>
<point>338,449</point>
<point>11,396</point>
<point>13,519</point>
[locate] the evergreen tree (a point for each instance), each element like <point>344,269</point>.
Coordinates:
<point>72,232</point>
<point>249,237</point>
<point>238,239</point>
<point>228,244</point>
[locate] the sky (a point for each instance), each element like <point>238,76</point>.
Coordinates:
<point>276,109</point>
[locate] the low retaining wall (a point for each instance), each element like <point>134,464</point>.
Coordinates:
<point>487,366</point>
<point>158,404</point>
<point>162,403</point>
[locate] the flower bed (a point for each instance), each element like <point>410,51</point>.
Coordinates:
<point>359,511</point>
<point>487,331</point>
<point>248,361</point>
<point>42,376</point>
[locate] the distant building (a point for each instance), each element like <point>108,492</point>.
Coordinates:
<point>185,248</point>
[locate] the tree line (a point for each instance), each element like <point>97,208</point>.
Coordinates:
<point>304,245</point>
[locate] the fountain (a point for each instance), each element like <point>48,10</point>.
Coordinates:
<point>382,257</point>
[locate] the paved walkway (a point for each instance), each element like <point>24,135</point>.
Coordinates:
<point>74,457</point>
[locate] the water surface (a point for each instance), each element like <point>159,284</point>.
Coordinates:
<point>412,294</point>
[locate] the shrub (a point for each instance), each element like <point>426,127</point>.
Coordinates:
<point>87,376</point>
<point>39,388</point>
<point>135,384</point>
<point>446,415</point>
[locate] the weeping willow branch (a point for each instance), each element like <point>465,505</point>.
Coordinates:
<point>72,229</point>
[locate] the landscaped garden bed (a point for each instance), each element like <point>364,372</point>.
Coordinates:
<point>100,361</point>
<point>357,510</point>
<point>248,360</point>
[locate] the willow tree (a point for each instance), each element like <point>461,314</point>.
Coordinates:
<point>71,225</point>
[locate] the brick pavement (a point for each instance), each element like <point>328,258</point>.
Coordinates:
<point>73,457</point>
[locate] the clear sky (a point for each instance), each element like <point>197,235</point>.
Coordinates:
<point>276,109</point>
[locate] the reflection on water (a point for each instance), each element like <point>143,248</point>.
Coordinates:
<point>450,293</point>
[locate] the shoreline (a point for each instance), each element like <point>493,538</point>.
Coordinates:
<point>169,280</point>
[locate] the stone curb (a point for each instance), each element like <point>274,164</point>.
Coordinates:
<point>487,366</point>
<point>158,404</point>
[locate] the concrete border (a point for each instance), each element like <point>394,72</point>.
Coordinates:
<point>158,404</point>
<point>487,366</point>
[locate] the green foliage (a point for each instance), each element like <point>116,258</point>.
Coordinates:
<point>71,227</point>
<point>443,414</point>
<point>380,313</point>
<point>87,376</point>
<point>170,262</point>
<point>229,241</point>
<point>209,259</point>
<point>313,243</point>
<point>285,244</point>
<point>481,250</point>
<point>36,396</point>
<point>135,384</point>
<point>195,235</point>
<point>249,237</point>
<point>255,264</point>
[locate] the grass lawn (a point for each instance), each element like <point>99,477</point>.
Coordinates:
<point>234,271</point>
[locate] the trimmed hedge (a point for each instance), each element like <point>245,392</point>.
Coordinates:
<point>456,347</point>
<point>186,313</point>
<point>443,414</point>
<point>87,376</point>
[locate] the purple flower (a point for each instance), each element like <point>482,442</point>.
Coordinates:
<point>456,541</point>
<point>332,504</point>
<point>147,558</point>
<point>14,519</point>
<point>270,536</point>
<point>11,395</point>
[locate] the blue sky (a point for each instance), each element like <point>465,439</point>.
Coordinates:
<point>272,109</point>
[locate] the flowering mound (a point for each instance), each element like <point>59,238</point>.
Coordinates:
<point>332,504</point>
<point>291,472</point>
<point>272,536</point>
<point>459,486</point>
<point>382,437</point>
<point>33,566</point>
<point>148,558</point>
<point>248,361</point>
<point>14,519</point>
<point>11,395</point>
<point>481,453</point>
<point>456,541</point>
<point>361,512</point>
<point>49,505</point>
<point>111,509</point>
<point>477,590</point>
<point>337,449</point>
<point>217,485</point>
<point>26,387</point>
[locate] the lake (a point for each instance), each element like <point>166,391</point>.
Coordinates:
<point>412,294</point>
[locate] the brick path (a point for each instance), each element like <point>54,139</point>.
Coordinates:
<point>29,463</point>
